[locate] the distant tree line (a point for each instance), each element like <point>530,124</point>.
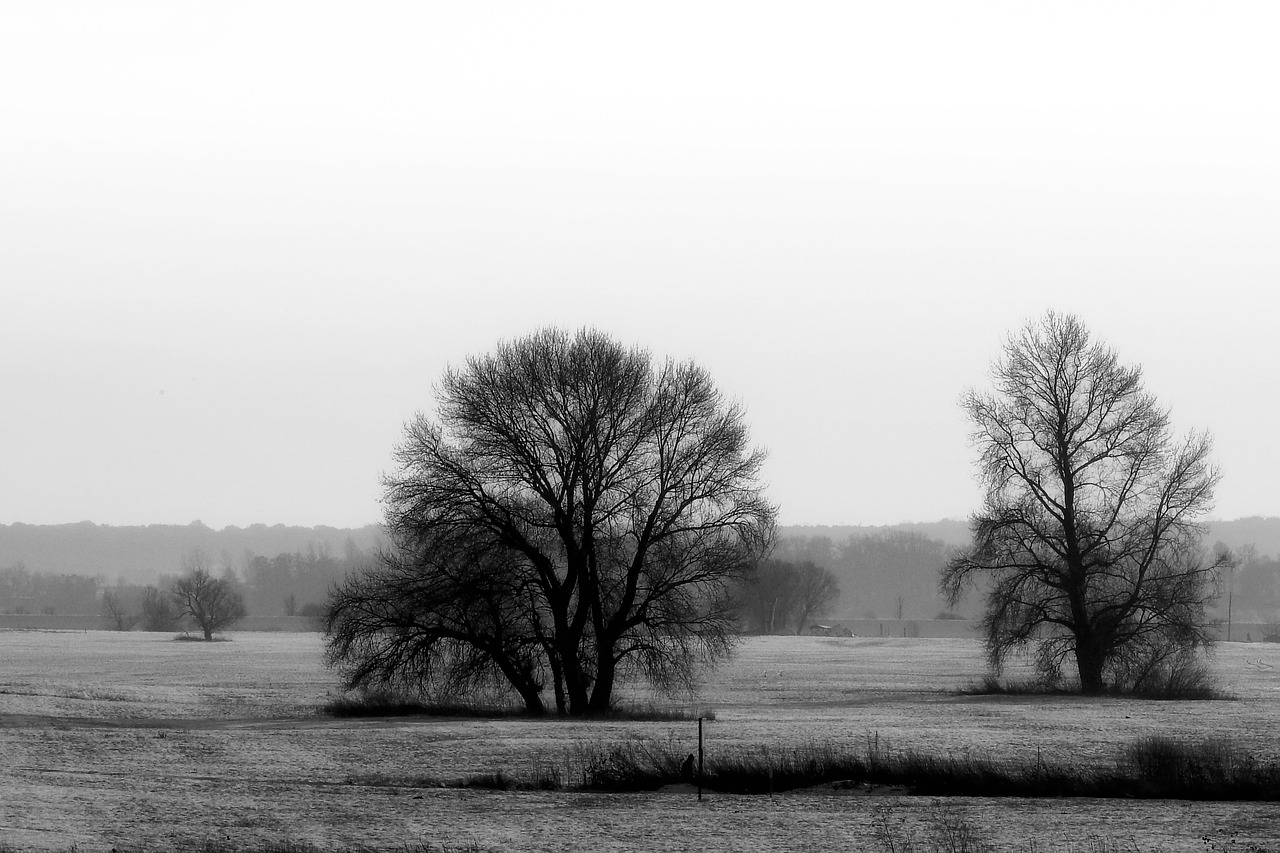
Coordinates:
<point>781,597</point>
<point>23,591</point>
<point>296,584</point>
<point>1251,589</point>
<point>891,574</point>
<point>885,575</point>
<point>290,584</point>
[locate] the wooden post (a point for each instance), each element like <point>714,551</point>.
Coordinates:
<point>699,759</point>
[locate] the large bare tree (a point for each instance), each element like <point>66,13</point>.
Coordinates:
<point>574,515</point>
<point>1087,542</point>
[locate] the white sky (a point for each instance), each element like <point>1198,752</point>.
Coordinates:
<point>240,241</point>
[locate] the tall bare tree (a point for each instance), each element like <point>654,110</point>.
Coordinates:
<point>619,498</point>
<point>1087,541</point>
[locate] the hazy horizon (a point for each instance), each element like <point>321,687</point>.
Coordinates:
<point>243,242</point>
<point>791,524</point>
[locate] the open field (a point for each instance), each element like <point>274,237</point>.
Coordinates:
<point>135,741</point>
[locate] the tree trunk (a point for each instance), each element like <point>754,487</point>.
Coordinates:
<point>602,693</point>
<point>557,679</point>
<point>523,681</point>
<point>804,617</point>
<point>1089,662</point>
<point>532,701</point>
<point>576,682</point>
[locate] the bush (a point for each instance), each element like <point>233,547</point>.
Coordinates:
<point>1193,682</point>
<point>1207,769</point>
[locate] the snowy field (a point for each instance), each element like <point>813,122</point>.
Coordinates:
<point>135,741</point>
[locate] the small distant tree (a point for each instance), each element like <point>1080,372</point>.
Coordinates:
<point>214,604</point>
<point>159,613</point>
<point>779,594</point>
<point>767,597</point>
<point>816,592</point>
<point>117,613</point>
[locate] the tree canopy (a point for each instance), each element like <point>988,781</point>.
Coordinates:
<point>1087,541</point>
<point>574,514</point>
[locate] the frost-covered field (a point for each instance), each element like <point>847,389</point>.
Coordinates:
<point>136,741</point>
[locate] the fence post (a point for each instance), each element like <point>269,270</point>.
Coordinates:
<point>699,759</point>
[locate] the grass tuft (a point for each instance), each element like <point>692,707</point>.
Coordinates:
<point>385,704</point>
<point>991,685</point>
<point>229,845</point>
<point>655,714</point>
<point>379,703</point>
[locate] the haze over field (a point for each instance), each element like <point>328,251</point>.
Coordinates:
<point>242,244</point>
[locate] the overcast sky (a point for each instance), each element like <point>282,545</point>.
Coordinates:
<point>239,242</point>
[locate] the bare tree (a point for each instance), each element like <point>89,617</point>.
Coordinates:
<point>117,612</point>
<point>780,593</point>
<point>816,592</point>
<point>1087,540</point>
<point>615,500</point>
<point>212,603</point>
<point>158,611</point>
<point>767,597</point>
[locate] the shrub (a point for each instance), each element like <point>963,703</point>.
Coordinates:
<point>1203,769</point>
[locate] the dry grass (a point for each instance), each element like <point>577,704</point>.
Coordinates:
<point>133,741</point>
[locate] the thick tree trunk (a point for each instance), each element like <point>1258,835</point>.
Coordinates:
<point>522,681</point>
<point>532,701</point>
<point>576,682</point>
<point>1089,663</point>
<point>602,692</point>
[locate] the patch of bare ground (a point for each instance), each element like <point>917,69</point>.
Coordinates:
<point>134,742</point>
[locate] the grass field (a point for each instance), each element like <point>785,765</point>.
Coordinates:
<point>134,741</point>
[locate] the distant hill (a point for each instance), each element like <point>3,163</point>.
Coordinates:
<point>1262,533</point>
<point>141,554</point>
